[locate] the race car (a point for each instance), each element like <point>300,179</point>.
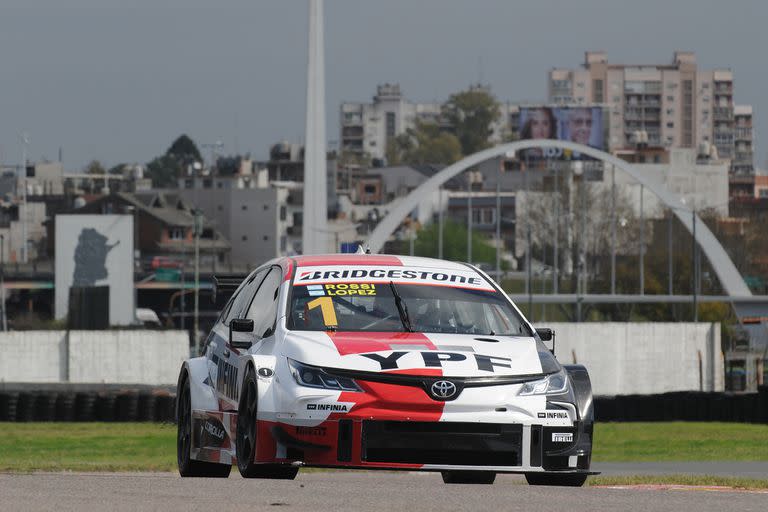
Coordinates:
<point>380,362</point>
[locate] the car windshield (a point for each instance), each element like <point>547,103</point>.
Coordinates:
<point>359,306</point>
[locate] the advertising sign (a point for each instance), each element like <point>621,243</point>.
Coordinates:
<point>582,125</point>
<point>96,250</point>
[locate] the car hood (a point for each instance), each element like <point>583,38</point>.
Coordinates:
<point>455,355</point>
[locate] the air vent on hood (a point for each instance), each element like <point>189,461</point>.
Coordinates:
<point>489,340</point>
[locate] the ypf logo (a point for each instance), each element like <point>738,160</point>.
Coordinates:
<point>443,389</point>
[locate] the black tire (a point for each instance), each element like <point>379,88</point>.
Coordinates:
<point>560,480</point>
<point>468,477</point>
<point>245,439</point>
<point>187,466</point>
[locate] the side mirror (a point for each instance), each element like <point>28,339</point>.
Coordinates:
<point>241,332</point>
<point>547,334</point>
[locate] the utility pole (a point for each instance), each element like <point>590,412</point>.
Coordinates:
<point>440,226</point>
<point>23,215</point>
<point>556,255</point>
<point>613,229</point>
<point>498,221</point>
<point>642,245</point>
<point>469,217</point>
<point>2,281</point>
<point>694,270</point>
<point>196,233</point>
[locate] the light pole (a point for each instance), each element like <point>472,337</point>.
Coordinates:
<point>24,144</point>
<point>470,176</point>
<point>498,220</point>
<point>2,280</point>
<point>440,225</point>
<point>197,229</point>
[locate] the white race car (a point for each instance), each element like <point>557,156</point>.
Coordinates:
<point>376,361</point>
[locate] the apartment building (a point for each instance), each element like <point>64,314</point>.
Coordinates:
<point>366,127</point>
<point>743,158</point>
<point>661,106</point>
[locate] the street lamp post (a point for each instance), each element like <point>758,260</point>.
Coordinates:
<point>2,281</point>
<point>197,229</point>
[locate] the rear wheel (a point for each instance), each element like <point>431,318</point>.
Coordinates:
<point>187,466</point>
<point>468,477</point>
<point>245,440</point>
<point>561,480</point>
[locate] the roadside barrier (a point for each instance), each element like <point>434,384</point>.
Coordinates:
<point>685,406</point>
<point>159,406</point>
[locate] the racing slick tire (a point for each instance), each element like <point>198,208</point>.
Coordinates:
<point>560,480</point>
<point>245,438</point>
<point>468,477</point>
<point>187,466</point>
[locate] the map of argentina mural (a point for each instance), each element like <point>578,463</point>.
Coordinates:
<point>96,250</point>
<point>91,258</point>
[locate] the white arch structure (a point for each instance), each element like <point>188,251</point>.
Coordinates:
<point>726,271</point>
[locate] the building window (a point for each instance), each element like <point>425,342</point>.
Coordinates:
<point>220,208</point>
<point>266,207</point>
<point>176,233</point>
<point>390,124</point>
<point>207,183</point>
<point>244,207</point>
<point>597,90</point>
<point>670,98</point>
<point>266,238</point>
<point>187,183</point>
<point>283,213</point>
<point>670,125</point>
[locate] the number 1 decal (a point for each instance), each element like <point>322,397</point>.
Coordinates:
<point>326,308</point>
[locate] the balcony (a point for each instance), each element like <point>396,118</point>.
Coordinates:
<point>722,113</point>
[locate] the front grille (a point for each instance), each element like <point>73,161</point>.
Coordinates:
<point>449,443</point>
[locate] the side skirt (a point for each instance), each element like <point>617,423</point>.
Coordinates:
<point>213,436</point>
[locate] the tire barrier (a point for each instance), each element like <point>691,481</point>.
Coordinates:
<point>85,406</point>
<point>159,406</point>
<point>685,406</point>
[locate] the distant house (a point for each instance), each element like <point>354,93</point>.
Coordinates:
<point>164,227</point>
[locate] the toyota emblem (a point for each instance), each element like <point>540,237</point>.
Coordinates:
<point>443,389</point>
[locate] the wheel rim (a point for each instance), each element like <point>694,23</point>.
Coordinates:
<point>184,427</point>
<point>246,419</point>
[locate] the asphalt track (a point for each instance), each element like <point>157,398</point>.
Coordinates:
<point>342,491</point>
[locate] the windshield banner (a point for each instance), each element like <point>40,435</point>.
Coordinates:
<point>398,275</point>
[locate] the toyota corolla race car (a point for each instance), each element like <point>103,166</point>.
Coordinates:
<point>380,362</point>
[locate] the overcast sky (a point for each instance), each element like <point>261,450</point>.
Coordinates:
<point>118,81</point>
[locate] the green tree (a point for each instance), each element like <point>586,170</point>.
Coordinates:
<point>94,167</point>
<point>454,244</point>
<point>163,171</point>
<point>184,150</point>
<point>423,144</point>
<point>471,114</point>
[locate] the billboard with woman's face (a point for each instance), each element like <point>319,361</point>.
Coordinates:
<point>583,125</point>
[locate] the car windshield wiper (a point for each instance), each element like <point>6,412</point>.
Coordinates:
<point>402,308</point>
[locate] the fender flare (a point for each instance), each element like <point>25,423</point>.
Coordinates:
<point>202,394</point>
<point>582,391</point>
<point>264,366</point>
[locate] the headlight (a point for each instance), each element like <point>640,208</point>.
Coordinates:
<point>314,377</point>
<point>551,384</point>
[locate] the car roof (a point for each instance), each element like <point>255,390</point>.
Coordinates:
<point>377,260</point>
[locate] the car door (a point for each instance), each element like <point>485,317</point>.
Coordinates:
<point>222,367</point>
<point>263,311</point>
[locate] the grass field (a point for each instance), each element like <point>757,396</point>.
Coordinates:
<point>151,446</point>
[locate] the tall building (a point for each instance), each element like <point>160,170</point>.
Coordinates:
<point>743,158</point>
<point>661,106</point>
<point>366,127</point>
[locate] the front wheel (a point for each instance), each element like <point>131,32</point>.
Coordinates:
<point>245,439</point>
<point>560,480</point>
<point>468,477</point>
<point>187,466</point>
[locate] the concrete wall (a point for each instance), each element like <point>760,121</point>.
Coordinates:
<point>643,358</point>
<point>113,357</point>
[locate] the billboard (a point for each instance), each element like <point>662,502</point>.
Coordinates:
<point>96,251</point>
<point>582,125</point>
